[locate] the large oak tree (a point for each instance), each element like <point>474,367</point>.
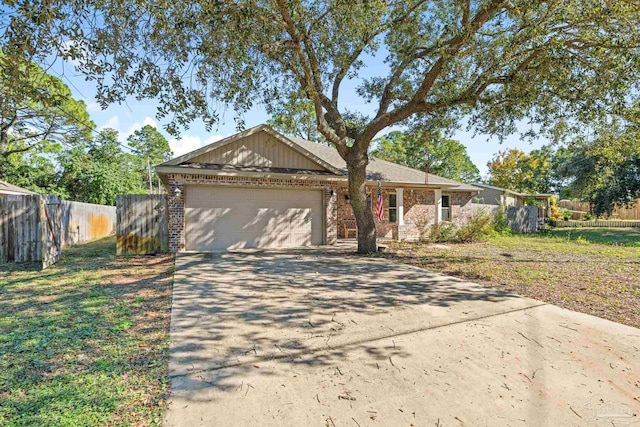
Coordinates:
<point>489,62</point>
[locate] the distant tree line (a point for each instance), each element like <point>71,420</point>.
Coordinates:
<point>48,144</point>
<point>601,167</point>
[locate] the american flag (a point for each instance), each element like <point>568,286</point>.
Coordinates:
<point>379,205</point>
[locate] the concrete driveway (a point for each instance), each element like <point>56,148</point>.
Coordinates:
<point>317,338</point>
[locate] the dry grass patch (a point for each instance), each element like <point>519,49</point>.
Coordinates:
<point>598,279</point>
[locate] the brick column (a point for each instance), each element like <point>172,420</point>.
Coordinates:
<point>331,215</point>
<point>176,215</point>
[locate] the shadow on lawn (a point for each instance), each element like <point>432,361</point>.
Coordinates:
<point>81,333</point>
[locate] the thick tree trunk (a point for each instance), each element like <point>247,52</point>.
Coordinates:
<point>4,141</point>
<point>356,167</point>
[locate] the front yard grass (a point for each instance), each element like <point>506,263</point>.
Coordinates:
<point>85,342</point>
<point>594,278</point>
<point>616,236</point>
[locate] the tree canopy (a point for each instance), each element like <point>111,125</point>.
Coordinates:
<point>604,168</point>
<point>446,157</point>
<point>492,62</point>
<point>297,118</point>
<point>37,110</point>
<point>101,172</point>
<point>152,148</point>
<point>516,170</point>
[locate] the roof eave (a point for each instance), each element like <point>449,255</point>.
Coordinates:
<point>163,171</point>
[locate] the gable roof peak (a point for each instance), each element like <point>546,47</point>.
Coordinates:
<point>248,132</point>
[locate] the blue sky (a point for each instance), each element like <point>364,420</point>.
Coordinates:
<point>127,118</point>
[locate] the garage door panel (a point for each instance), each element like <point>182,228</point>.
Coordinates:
<point>232,218</point>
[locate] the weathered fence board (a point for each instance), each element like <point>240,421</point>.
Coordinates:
<point>141,224</point>
<point>597,223</point>
<point>83,222</point>
<point>30,229</point>
<point>51,225</point>
<point>523,219</point>
<point>628,213</point>
<point>35,228</point>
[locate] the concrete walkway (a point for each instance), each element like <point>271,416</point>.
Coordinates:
<point>317,338</point>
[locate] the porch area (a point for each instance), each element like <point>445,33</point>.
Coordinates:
<point>406,210</point>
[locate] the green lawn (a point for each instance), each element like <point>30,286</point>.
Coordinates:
<point>609,236</point>
<point>562,268</point>
<point>85,342</point>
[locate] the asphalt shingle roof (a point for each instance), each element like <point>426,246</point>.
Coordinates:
<point>377,170</point>
<point>6,187</point>
<point>381,170</point>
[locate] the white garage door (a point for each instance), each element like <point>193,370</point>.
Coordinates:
<point>233,218</point>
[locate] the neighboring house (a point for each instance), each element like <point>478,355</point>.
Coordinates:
<point>491,195</point>
<point>259,188</point>
<point>7,189</point>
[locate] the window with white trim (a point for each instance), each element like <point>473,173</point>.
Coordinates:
<point>393,208</point>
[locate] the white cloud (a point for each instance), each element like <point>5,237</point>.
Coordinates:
<point>112,123</point>
<point>137,126</point>
<point>93,107</point>
<point>188,143</point>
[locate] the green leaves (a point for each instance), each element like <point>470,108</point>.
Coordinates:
<point>604,169</point>
<point>416,148</point>
<point>151,148</point>
<point>515,170</point>
<point>99,174</point>
<point>37,109</point>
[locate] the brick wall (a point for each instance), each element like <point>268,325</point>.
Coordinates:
<point>176,215</point>
<point>179,181</point>
<point>419,208</point>
<point>461,207</point>
<point>345,211</point>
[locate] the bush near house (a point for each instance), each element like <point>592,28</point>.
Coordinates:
<point>480,227</point>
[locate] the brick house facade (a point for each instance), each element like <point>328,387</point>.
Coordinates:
<point>316,213</point>
<point>419,210</point>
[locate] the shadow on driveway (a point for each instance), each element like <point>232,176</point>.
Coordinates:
<point>341,337</point>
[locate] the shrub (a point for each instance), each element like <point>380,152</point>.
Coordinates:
<point>499,222</point>
<point>588,216</point>
<point>566,215</point>
<point>480,227</point>
<point>442,233</point>
<point>555,212</point>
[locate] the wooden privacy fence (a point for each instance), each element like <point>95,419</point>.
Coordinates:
<point>30,229</point>
<point>523,219</point>
<point>628,213</point>
<point>141,224</point>
<point>83,222</point>
<point>596,223</point>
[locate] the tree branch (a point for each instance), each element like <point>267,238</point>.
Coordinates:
<point>311,81</point>
<point>417,103</point>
